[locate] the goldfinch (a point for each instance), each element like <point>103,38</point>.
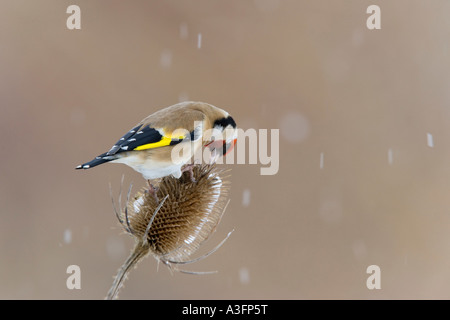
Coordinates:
<point>149,147</point>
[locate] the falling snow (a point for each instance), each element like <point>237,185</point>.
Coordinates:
<point>244,275</point>
<point>294,127</point>
<point>430,140</point>
<point>166,58</point>
<point>199,40</point>
<point>358,37</point>
<point>115,248</point>
<point>246,198</point>
<point>183,31</point>
<point>359,249</point>
<point>183,96</point>
<point>321,161</point>
<point>67,236</point>
<point>330,210</point>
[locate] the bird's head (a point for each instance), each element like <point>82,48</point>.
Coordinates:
<point>223,136</point>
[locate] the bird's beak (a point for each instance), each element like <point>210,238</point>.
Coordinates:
<point>221,146</point>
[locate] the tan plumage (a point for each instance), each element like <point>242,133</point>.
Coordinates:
<point>151,145</point>
<point>183,115</point>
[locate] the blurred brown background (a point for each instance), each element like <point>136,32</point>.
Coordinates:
<point>366,100</point>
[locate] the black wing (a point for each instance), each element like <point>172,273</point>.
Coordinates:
<point>141,138</point>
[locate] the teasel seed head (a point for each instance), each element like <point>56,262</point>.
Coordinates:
<point>171,221</point>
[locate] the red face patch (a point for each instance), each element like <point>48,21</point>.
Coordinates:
<point>221,145</point>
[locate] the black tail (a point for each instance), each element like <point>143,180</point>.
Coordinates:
<point>98,160</point>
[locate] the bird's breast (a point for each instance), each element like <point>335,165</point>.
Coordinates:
<point>159,162</point>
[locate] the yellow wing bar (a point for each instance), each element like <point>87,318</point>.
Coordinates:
<point>165,141</point>
<point>161,143</point>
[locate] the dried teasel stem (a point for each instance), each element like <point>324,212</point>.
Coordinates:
<point>139,252</point>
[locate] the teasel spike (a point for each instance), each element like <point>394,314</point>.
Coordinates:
<point>174,228</point>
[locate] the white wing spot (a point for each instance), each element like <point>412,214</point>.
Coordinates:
<point>131,140</point>
<point>124,148</point>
